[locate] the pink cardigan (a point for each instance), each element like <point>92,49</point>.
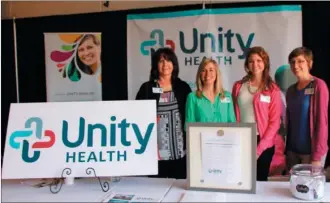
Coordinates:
<point>267,114</point>
<point>318,112</point>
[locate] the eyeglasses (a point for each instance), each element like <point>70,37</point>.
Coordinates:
<point>293,62</point>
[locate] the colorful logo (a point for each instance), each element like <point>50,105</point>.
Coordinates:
<point>156,38</point>
<point>80,54</point>
<point>225,43</point>
<point>25,145</point>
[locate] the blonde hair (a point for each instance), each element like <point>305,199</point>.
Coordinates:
<point>218,88</point>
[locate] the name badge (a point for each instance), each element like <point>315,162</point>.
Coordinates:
<point>157,90</point>
<point>225,100</point>
<point>265,98</point>
<point>309,91</point>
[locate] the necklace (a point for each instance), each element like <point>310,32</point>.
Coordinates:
<point>165,86</point>
<point>250,90</point>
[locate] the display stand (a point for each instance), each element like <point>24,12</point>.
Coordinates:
<point>56,186</point>
<point>104,186</point>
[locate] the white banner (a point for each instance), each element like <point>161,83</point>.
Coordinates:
<point>223,34</point>
<point>73,66</point>
<point>45,138</point>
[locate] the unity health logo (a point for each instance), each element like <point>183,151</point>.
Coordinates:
<point>25,145</point>
<point>115,146</point>
<point>227,45</point>
<point>156,38</point>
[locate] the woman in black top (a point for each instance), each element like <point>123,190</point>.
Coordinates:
<point>171,93</point>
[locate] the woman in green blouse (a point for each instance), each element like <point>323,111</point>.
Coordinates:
<point>210,102</point>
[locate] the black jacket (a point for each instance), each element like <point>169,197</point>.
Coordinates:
<point>181,90</point>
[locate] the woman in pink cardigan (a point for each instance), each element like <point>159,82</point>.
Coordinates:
<point>257,99</point>
<point>306,113</point>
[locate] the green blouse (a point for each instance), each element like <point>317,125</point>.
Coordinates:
<point>202,110</point>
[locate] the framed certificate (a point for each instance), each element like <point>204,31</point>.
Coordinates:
<point>222,157</point>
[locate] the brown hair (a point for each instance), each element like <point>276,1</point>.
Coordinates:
<point>307,53</point>
<point>218,89</point>
<point>169,55</point>
<point>90,36</point>
<point>267,81</point>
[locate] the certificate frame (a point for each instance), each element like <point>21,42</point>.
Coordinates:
<point>247,132</point>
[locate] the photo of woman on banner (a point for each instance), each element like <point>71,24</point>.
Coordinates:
<point>257,99</point>
<point>89,54</point>
<point>306,113</point>
<point>210,102</point>
<point>170,93</point>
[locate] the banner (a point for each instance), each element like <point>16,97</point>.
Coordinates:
<point>223,34</point>
<point>73,66</point>
<point>45,138</point>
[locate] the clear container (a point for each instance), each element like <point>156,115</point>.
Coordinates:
<point>307,182</point>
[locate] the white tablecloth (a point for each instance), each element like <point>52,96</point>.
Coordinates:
<point>88,190</point>
<point>83,190</point>
<point>266,192</point>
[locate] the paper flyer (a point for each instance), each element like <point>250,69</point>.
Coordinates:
<point>216,167</point>
<point>129,197</point>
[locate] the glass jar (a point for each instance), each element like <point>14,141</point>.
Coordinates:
<point>307,181</point>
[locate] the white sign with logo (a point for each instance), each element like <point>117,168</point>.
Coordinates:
<point>223,34</point>
<point>44,138</point>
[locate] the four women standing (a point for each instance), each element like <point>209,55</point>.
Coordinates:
<point>255,99</point>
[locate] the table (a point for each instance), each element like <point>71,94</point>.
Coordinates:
<point>266,192</point>
<point>88,190</point>
<point>83,190</point>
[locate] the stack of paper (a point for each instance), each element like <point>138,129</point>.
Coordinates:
<point>132,197</point>
<point>133,189</point>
